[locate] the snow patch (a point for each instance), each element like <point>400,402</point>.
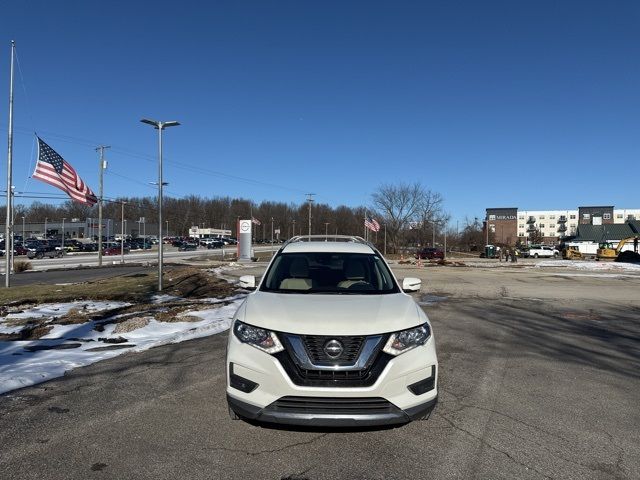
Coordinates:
<point>591,266</point>
<point>20,367</point>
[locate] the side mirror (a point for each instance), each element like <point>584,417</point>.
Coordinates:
<point>411,284</point>
<point>248,282</point>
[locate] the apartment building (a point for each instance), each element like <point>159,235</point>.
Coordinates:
<point>511,225</point>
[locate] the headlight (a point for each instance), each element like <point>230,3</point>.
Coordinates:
<point>406,340</point>
<point>258,337</point>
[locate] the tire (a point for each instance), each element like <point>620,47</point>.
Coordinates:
<point>535,255</point>
<point>40,255</point>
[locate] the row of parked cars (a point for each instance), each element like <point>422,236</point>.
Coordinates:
<point>52,248</point>
<point>185,244</point>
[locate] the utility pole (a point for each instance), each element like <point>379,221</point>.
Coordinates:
<point>310,200</point>
<point>102,167</point>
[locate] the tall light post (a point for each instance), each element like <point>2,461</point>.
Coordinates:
<point>167,230</point>
<point>326,231</point>
<point>122,220</point>
<point>310,200</point>
<point>159,126</point>
<point>63,219</point>
<point>23,237</point>
<point>45,227</point>
<point>103,166</point>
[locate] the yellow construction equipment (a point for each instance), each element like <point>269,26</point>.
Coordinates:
<point>607,252</point>
<point>571,253</point>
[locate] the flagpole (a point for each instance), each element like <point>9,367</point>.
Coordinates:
<point>8,244</point>
<point>365,224</point>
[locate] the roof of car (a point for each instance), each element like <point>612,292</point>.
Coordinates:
<point>330,246</point>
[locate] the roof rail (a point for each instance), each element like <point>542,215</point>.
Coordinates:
<point>327,238</point>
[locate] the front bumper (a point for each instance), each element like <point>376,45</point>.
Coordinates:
<point>271,384</point>
<point>335,415</point>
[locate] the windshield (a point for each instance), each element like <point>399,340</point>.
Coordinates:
<point>335,273</point>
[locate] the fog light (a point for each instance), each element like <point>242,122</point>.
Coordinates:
<point>240,383</point>
<point>423,386</point>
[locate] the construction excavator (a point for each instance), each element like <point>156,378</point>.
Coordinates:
<point>607,252</point>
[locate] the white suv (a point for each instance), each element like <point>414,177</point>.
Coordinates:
<point>329,338</point>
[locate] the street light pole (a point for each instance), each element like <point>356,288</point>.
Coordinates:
<point>63,219</point>
<point>122,232</point>
<point>159,126</point>
<point>103,166</point>
<point>23,239</point>
<point>326,231</point>
<point>8,235</point>
<point>167,234</point>
<point>310,200</point>
<point>45,227</point>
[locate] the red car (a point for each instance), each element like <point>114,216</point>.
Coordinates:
<point>114,249</point>
<point>429,253</point>
<point>19,250</point>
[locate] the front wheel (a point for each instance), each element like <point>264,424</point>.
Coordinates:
<point>535,255</point>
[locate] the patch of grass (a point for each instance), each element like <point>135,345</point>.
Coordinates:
<point>116,288</point>
<point>186,282</point>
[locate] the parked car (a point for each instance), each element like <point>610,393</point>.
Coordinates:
<point>114,248</point>
<point>429,253</point>
<point>89,247</point>
<point>215,244</point>
<point>185,246</point>
<point>330,338</point>
<point>536,251</point>
<point>44,251</point>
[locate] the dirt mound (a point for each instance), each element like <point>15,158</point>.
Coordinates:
<point>628,257</point>
<point>188,282</point>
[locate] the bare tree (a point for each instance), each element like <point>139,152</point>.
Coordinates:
<point>404,205</point>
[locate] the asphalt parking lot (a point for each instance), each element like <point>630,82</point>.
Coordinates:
<point>539,378</point>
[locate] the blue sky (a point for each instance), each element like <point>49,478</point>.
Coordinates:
<point>528,104</point>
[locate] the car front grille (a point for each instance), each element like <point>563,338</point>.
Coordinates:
<point>333,405</point>
<point>310,377</point>
<point>314,344</point>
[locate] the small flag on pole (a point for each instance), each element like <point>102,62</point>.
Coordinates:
<point>51,168</point>
<point>255,221</point>
<point>371,223</point>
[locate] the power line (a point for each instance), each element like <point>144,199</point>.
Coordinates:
<point>151,159</point>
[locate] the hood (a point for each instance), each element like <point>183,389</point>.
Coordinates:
<point>313,314</point>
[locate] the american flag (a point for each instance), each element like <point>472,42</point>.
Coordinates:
<point>255,221</point>
<point>371,223</point>
<point>54,170</point>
